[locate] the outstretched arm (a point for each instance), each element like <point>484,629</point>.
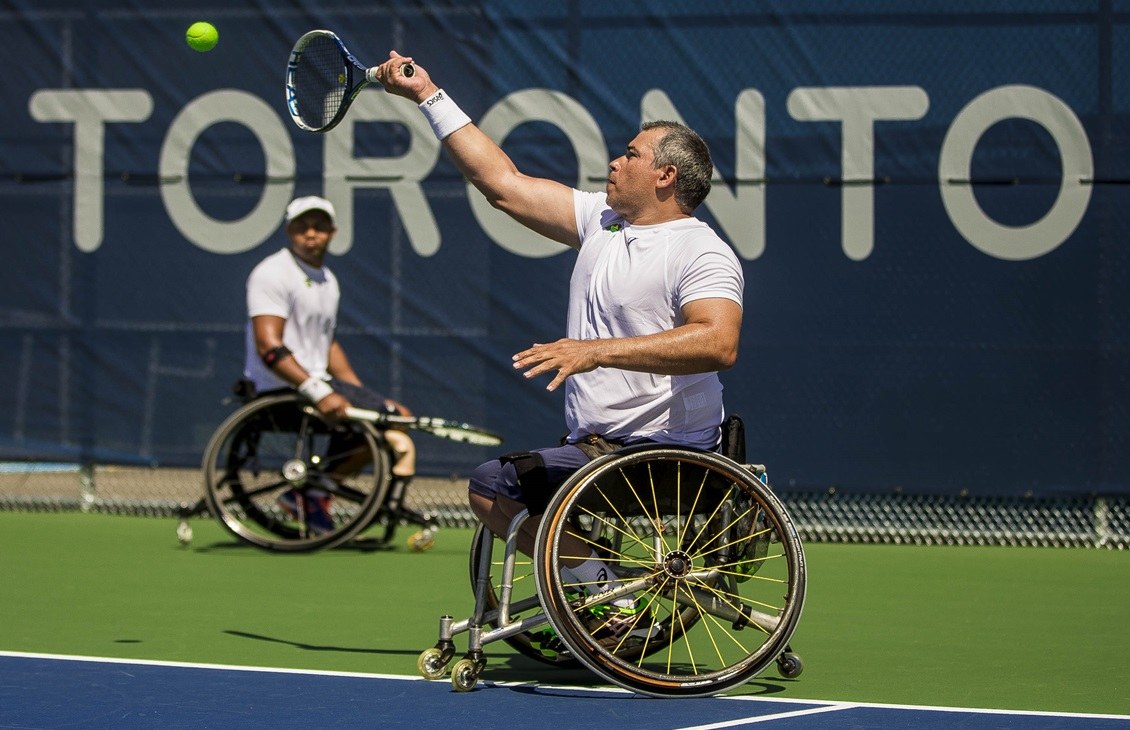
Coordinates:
<point>544,206</point>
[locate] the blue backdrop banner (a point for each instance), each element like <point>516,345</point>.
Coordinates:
<point>929,201</point>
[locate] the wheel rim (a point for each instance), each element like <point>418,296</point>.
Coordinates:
<point>715,557</point>
<point>273,446</point>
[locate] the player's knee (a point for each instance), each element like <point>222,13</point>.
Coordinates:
<point>401,443</point>
<point>481,505</point>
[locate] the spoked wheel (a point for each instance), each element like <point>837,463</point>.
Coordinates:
<point>280,476</point>
<point>540,643</point>
<point>705,549</point>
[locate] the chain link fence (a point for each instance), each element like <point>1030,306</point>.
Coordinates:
<point>1078,521</point>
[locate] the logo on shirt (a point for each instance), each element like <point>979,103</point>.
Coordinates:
<point>614,228</point>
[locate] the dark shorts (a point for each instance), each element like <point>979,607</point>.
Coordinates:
<point>500,477</point>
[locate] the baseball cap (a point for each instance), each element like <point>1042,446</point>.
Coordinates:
<point>298,206</point>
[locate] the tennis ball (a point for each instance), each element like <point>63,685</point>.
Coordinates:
<point>202,36</point>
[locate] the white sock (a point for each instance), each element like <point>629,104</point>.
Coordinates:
<point>595,576</point>
<point>568,577</point>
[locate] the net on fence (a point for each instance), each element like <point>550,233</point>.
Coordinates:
<point>1077,521</point>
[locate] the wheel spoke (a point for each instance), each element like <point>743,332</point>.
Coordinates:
<point>686,533</point>
<point>249,453</point>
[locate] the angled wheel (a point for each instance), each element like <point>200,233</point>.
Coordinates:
<point>432,664</point>
<point>703,546</point>
<point>465,675</point>
<point>280,476</point>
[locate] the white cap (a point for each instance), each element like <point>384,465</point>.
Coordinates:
<point>298,206</point>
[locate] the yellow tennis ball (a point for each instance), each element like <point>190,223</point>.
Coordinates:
<point>202,36</point>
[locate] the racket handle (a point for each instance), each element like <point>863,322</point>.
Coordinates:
<point>408,70</point>
<point>364,414</point>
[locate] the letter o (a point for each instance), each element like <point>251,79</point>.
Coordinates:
<point>217,236</point>
<point>583,133</point>
<point>1015,243</point>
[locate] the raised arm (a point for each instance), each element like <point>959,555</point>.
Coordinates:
<point>544,206</point>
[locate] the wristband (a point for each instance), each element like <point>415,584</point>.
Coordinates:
<point>315,389</point>
<point>443,114</point>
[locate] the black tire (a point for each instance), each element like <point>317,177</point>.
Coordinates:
<point>697,532</point>
<point>276,444</point>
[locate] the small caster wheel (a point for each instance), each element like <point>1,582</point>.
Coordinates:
<point>422,540</point>
<point>464,675</point>
<point>789,665</point>
<point>431,663</point>
<point>184,533</point>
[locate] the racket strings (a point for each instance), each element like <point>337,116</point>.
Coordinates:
<point>321,80</point>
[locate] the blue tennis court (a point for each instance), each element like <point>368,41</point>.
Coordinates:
<point>48,691</point>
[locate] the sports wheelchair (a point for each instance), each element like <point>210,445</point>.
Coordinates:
<point>276,454</point>
<point>698,538</point>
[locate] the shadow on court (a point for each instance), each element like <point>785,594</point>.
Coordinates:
<point>520,669</point>
<point>358,545</point>
<point>315,647</point>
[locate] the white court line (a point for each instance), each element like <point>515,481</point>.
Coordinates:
<point>843,704</point>
<point>818,705</point>
<point>194,665</point>
<point>771,718</point>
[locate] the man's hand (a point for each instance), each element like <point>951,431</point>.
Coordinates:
<point>416,87</point>
<point>333,406</point>
<point>567,357</point>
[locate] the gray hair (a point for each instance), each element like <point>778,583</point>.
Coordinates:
<point>685,149</point>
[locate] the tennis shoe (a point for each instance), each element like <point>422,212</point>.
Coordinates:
<point>316,506</point>
<point>621,626</point>
<point>549,644</point>
<point>288,502</point>
<point>318,518</point>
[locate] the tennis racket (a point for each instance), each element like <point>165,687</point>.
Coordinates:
<point>322,80</point>
<point>451,430</point>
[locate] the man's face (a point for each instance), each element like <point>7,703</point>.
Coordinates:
<point>310,234</point>
<point>632,176</point>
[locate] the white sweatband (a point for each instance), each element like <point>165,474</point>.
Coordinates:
<point>315,389</point>
<point>443,114</point>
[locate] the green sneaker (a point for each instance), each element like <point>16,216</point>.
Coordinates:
<point>616,626</point>
<point>548,643</point>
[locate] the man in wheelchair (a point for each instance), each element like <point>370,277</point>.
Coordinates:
<point>654,312</point>
<point>292,305</point>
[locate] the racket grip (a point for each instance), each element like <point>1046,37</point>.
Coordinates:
<point>364,414</point>
<point>407,70</point>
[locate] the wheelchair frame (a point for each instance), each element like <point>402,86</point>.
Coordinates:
<point>278,444</point>
<point>698,539</point>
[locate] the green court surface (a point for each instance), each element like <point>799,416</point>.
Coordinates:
<point>987,627</point>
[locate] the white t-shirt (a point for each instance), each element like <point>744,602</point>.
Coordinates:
<point>634,280</point>
<point>307,298</point>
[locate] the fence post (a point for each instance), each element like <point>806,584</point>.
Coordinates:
<point>86,485</point>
